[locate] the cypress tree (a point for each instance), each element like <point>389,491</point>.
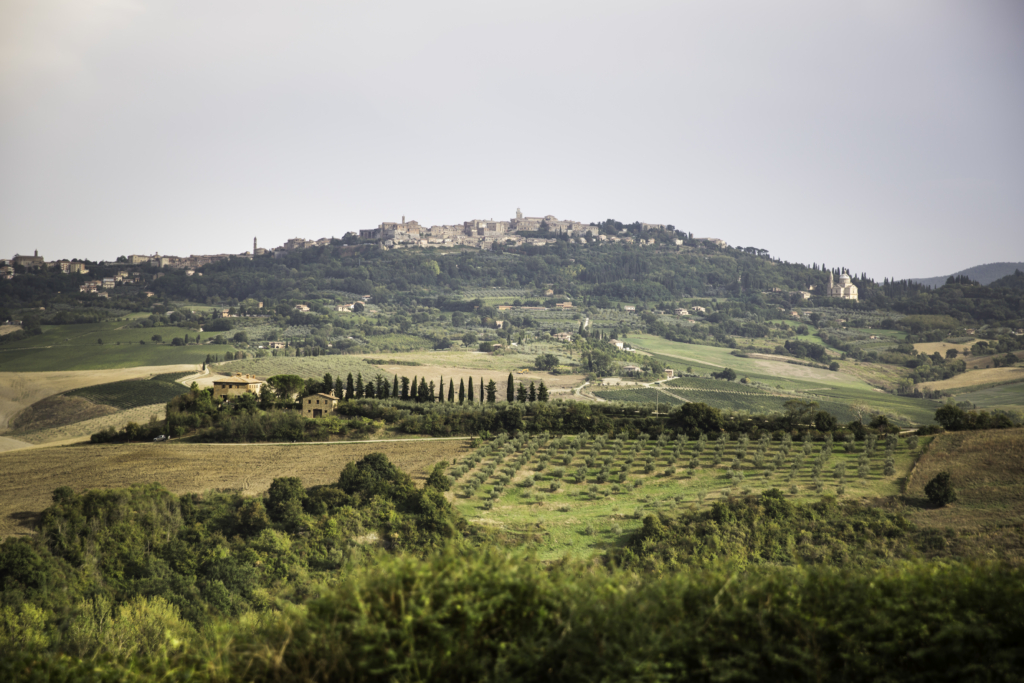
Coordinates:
<point>394,388</point>
<point>328,383</point>
<point>370,391</point>
<point>492,391</point>
<point>471,399</point>
<point>462,391</point>
<point>423,392</point>
<point>521,393</point>
<point>350,390</point>
<point>533,393</point>
<point>414,390</point>
<point>482,389</point>
<point>405,388</point>
<point>542,392</point>
<point>510,390</point>
<point>430,391</point>
<point>451,391</point>
<point>360,390</point>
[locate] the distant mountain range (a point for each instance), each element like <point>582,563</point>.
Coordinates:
<point>984,274</point>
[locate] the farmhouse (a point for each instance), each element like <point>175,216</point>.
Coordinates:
<point>616,343</point>
<point>563,336</point>
<point>564,305</point>
<point>302,307</point>
<point>276,344</point>
<point>237,386</point>
<point>629,309</point>
<point>670,373</point>
<point>319,405</point>
<point>631,369</point>
<point>699,309</point>
<point>682,311</point>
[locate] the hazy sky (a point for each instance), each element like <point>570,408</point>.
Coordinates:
<point>886,136</point>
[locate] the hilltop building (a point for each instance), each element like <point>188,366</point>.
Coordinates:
<point>237,386</point>
<point>844,289</point>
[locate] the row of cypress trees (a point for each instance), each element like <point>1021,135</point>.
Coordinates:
<point>421,391</point>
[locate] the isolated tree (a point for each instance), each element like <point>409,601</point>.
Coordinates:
<point>542,392</point>
<point>157,338</point>
<point>492,391</point>
<point>940,490</point>
<point>510,389</point>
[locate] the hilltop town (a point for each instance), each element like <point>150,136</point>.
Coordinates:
<point>480,234</point>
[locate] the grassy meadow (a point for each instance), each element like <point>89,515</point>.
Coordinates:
<point>77,347</point>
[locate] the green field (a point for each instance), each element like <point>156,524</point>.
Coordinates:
<point>306,367</point>
<point>1005,397</point>
<point>584,495</point>
<point>131,393</point>
<point>76,347</point>
<point>643,395</point>
<point>806,383</point>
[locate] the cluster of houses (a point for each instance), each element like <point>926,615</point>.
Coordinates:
<point>484,234</point>
<point>98,287</point>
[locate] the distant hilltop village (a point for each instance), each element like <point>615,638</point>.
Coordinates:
<point>484,234</point>
<point>480,234</point>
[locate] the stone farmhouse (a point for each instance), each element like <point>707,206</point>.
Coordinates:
<point>319,405</point>
<point>237,386</point>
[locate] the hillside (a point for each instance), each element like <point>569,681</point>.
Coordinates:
<point>1015,280</point>
<point>986,273</point>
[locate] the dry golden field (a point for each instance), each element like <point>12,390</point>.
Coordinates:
<point>31,475</point>
<point>977,378</point>
<point>931,347</point>
<point>19,390</point>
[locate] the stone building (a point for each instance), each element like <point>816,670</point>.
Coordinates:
<point>844,289</point>
<point>319,405</point>
<point>237,386</point>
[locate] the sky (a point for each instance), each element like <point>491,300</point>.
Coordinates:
<point>885,137</point>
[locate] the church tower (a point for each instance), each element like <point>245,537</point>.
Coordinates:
<point>253,246</point>
<point>519,215</point>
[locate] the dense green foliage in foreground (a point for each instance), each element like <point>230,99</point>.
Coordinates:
<point>206,556</point>
<point>493,615</point>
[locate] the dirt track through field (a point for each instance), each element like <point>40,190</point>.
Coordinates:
<point>31,475</point>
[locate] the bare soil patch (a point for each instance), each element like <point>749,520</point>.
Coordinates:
<point>31,475</point>
<point>19,390</point>
<point>57,411</point>
<point>982,362</point>
<point>987,469</point>
<point>7,329</point>
<point>978,377</point>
